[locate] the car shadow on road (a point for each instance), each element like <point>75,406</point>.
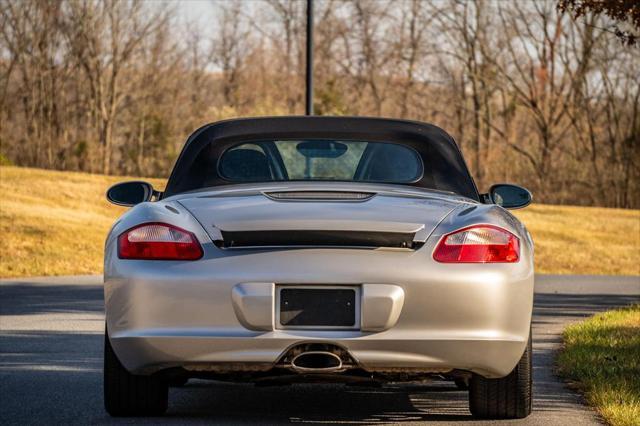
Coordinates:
<point>222,403</point>
<point>27,299</point>
<point>62,374</point>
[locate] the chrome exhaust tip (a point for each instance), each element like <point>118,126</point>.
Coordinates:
<point>316,362</point>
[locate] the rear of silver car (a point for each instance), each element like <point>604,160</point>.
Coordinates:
<point>251,309</point>
<point>287,249</point>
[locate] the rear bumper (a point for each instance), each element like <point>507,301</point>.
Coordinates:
<point>468,317</point>
<point>386,354</point>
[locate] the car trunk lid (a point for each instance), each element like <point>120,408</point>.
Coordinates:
<point>355,218</point>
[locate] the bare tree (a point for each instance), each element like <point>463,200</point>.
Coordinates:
<point>30,38</point>
<point>103,38</point>
<point>412,49</point>
<point>466,26</point>
<point>229,49</point>
<point>532,69</point>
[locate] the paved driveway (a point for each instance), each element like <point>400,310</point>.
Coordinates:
<point>51,360</point>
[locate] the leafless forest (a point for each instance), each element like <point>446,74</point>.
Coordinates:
<point>533,95</point>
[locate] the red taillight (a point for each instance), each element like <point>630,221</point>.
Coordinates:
<point>158,241</point>
<point>478,244</point>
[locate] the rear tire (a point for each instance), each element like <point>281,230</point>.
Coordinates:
<point>505,398</point>
<point>127,394</point>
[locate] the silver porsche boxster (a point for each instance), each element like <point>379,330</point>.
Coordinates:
<point>311,249</point>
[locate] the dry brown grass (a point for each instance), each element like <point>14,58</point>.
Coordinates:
<point>584,240</point>
<point>54,223</point>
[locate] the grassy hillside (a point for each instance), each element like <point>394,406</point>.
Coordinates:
<point>54,223</point>
<point>584,240</point>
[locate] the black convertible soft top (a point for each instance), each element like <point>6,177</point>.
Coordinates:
<point>445,168</point>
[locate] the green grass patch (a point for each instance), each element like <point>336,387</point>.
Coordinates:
<point>602,358</point>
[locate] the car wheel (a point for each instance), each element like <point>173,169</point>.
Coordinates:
<point>127,394</point>
<point>505,398</point>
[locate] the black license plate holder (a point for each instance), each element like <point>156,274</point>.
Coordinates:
<point>318,307</point>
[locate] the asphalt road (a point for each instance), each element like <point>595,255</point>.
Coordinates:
<point>51,366</point>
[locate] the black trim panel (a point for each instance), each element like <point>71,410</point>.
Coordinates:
<point>316,238</point>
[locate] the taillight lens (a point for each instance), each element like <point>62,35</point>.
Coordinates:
<point>158,241</point>
<point>478,244</point>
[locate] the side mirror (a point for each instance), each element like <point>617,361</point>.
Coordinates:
<point>510,196</point>
<point>130,193</point>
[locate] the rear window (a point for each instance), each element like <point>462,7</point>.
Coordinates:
<point>320,160</point>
